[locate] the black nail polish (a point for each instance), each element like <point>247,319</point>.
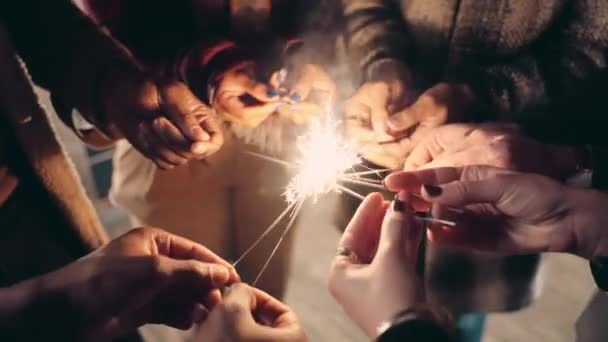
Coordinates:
<point>432,190</point>
<point>398,205</point>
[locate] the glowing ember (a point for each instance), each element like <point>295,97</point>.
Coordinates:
<point>326,156</point>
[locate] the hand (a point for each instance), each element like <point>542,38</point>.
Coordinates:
<point>367,112</point>
<point>8,183</point>
<point>163,121</point>
<point>443,103</point>
<point>498,145</point>
<point>250,315</point>
<point>145,276</point>
<point>377,280</point>
<point>309,92</point>
<point>241,99</point>
<point>508,212</point>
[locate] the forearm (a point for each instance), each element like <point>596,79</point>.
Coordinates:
<point>26,313</point>
<point>64,51</point>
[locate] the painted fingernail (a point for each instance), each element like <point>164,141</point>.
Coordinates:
<point>296,97</point>
<point>398,204</point>
<point>272,92</point>
<point>432,190</point>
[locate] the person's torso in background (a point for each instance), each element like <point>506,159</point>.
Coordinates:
<point>449,33</point>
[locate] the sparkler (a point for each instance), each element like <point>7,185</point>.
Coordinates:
<point>326,164</point>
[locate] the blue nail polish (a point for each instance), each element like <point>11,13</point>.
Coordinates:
<point>296,97</point>
<point>271,92</point>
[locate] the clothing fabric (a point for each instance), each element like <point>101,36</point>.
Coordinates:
<point>519,55</point>
<point>48,221</point>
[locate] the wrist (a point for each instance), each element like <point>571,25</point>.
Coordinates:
<point>589,220</point>
<point>438,318</point>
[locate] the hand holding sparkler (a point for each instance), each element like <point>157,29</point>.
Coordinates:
<point>509,212</point>
<point>247,314</point>
<point>377,257</point>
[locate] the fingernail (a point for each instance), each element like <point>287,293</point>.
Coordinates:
<point>200,134</point>
<point>198,148</point>
<point>398,204</point>
<point>432,190</point>
<point>295,97</point>
<point>271,92</point>
<point>384,182</point>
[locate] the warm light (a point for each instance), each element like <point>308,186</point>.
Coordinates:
<point>325,157</point>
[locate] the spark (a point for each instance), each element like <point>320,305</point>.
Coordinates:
<point>325,158</point>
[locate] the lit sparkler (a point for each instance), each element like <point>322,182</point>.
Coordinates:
<point>326,157</point>
<point>326,164</point>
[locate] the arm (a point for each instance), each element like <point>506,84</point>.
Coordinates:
<point>562,61</point>
<point>375,39</point>
<point>64,52</point>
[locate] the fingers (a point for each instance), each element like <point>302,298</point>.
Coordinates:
<point>400,235</point>
<point>403,120</point>
<point>362,233</point>
<point>412,181</point>
<point>379,123</point>
<point>463,193</point>
<point>156,149</point>
<point>182,108</point>
<point>278,323</point>
<point>213,127</point>
<point>8,183</point>
<point>177,247</point>
<point>197,276</point>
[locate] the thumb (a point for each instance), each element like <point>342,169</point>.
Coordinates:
<point>183,109</point>
<point>462,193</point>
<point>403,120</point>
<point>399,232</point>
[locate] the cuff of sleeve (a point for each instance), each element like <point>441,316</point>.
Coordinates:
<point>599,270</point>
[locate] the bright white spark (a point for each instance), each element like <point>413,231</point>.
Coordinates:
<point>325,157</point>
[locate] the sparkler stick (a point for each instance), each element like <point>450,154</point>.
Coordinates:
<point>272,159</point>
<point>350,192</point>
<point>278,244</point>
<point>367,180</point>
<point>364,183</point>
<point>364,173</point>
<point>270,228</point>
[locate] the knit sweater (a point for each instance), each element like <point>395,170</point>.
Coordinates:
<point>518,55</point>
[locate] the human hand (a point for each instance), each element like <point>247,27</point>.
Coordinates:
<point>498,145</point>
<point>374,276</point>
<point>8,183</point>
<point>367,113</point>
<point>240,98</point>
<point>507,212</point>
<point>165,122</point>
<point>247,314</point>
<point>308,90</point>
<point>443,103</point>
<point>145,276</point>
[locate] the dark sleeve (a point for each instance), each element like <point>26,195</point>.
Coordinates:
<point>375,38</point>
<point>64,51</point>
<point>558,65</point>
<point>416,330</point>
